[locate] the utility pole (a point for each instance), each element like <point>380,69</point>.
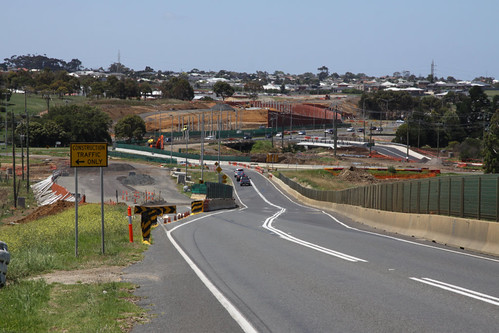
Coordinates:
<point>27,140</point>
<point>202,149</point>
<point>370,138</point>
<point>407,142</point>
<point>282,127</point>
<point>14,161</point>
<point>335,132</point>
<point>171,142</point>
<point>364,118</point>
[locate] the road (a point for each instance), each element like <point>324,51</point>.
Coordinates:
<point>275,265</point>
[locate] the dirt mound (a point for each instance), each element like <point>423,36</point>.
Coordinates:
<point>47,210</point>
<point>352,174</point>
<point>137,179</point>
<point>119,167</point>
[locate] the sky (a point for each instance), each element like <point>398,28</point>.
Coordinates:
<point>363,36</point>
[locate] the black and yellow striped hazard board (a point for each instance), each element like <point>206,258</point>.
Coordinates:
<point>196,207</point>
<point>148,216</point>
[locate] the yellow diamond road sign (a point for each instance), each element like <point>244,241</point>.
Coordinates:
<point>219,169</point>
<point>88,154</point>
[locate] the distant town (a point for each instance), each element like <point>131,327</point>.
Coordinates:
<point>321,82</point>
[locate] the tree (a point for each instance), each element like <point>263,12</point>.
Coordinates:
<point>223,89</point>
<point>491,146</point>
<point>145,89</point>
<point>130,127</point>
<point>83,123</point>
<point>178,88</point>
<point>323,73</point>
<point>253,87</point>
<point>46,134</point>
<point>474,112</point>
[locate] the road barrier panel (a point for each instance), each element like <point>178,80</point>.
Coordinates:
<point>149,216</point>
<point>197,206</point>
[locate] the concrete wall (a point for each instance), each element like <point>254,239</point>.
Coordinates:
<point>469,234</point>
<point>216,204</point>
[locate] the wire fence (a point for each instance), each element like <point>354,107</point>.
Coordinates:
<point>470,196</point>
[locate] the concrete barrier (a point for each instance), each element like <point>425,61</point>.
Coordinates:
<point>475,235</point>
<point>216,204</point>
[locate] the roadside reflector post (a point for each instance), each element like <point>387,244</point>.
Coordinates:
<point>130,227</point>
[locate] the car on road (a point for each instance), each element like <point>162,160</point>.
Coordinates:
<point>268,135</point>
<point>245,181</point>
<point>360,130</point>
<point>329,131</point>
<point>350,129</point>
<point>372,128</point>
<point>302,133</point>
<point>240,176</point>
<point>279,134</point>
<point>210,137</point>
<point>247,137</point>
<point>238,171</point>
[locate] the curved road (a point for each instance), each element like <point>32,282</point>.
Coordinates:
<point>274,265</point>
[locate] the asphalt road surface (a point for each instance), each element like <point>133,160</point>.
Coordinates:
<point>274,265</point>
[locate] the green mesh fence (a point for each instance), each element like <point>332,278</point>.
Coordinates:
<point>183,155</point>
<point>163,159</point>
<point>469,196</point>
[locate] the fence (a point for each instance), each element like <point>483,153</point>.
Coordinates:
<point>213,190</point>
<point>165,159</point>
<point>167,153</point>
<point>473,196</point>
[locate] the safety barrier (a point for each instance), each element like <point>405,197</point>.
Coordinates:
<point>465,233</point>
<point>4,261</point>
<point>473,196</point>
<point>197,207</point>
<point>149,216</point>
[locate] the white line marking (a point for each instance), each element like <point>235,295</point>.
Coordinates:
<point>459,290</point>
<point>389,237</point>
<point>408,241</point>
<point>231,309</point>
<point>268,225</point>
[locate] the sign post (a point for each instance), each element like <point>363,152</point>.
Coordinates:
<point>88,154</point>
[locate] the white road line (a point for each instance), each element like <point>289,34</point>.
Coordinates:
<point>410,242</point>
<point>387,236</point>
<point>459,290</point>
<point>231,309</point>
<point>268,225</point>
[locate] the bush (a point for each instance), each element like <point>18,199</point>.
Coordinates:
<point>391,169</point>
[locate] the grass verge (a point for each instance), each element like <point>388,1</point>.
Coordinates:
<point>48,244</point>
<point>318,179</point>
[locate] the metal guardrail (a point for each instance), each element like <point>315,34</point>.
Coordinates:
<point>473,196</point>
